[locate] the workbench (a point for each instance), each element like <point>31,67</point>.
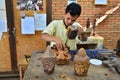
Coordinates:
<point>65,72</point>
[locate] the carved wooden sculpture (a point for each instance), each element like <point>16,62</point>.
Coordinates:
<point>81,63</point>
<point>48,61</point>
<point>62,56</point>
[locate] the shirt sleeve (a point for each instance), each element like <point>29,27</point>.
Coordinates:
<point>50,29</point>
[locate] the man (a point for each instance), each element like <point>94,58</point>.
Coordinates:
<point>55,32</point>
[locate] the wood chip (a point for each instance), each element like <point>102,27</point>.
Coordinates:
<point>61,76</point>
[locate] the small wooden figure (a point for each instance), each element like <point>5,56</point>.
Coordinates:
<point>81,63</point>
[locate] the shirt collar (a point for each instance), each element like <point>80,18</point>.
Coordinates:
<point>65,24</point>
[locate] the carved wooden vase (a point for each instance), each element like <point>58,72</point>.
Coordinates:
<point>48,65</point>
<point>81,63</point>
<point>48,61</point>
<point>62,56</point>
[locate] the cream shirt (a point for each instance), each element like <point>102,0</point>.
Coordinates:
<point>58,29</point>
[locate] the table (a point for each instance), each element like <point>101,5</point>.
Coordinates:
<point>65,72</point>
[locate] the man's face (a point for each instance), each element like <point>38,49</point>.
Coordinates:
<point>69,20</point>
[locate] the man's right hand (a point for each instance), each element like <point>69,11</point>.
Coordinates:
<point>59,43</point>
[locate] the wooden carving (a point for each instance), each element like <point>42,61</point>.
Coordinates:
<point>48,65</point>
<point>48,61</point>
<point>62,56</point>
<point>81,63</point>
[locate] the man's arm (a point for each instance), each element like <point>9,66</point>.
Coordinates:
<point>59,43</point>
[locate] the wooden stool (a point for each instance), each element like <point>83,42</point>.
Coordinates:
<point>22,65</point>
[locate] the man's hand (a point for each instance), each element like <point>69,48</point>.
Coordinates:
<point>60,44</point>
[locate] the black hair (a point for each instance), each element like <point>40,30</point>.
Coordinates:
<point>74,9</point>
